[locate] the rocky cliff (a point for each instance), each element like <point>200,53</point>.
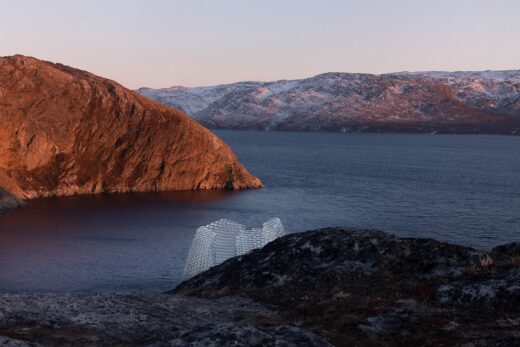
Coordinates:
<point>65,131</point>
<point>445,102</point>
<point>366,288</point>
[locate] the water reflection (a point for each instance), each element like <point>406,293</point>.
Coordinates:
<point>134,241</point>
<point>461,189</point>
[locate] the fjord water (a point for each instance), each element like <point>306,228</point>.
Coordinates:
<point>463,189</point>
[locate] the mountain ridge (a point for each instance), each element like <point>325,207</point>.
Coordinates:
<point>432,101</point>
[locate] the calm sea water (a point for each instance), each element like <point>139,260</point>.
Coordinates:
<point>464,189</point>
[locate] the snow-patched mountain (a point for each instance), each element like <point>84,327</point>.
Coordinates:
<point>447,102</point>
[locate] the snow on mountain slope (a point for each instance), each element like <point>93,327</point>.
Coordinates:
<point>449,102</point>
<point>502,75</point>
<point>192,100</point>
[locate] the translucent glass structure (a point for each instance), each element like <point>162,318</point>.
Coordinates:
<point>216,242</point>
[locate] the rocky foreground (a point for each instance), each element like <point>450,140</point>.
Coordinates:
<point>65,131</point>
<point>141,320</point>
<point>332,286</point>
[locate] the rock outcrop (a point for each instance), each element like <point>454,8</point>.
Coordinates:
<point>444,102</point>
<point>365,288</point>
<point>332,286</point>
<point>141,320</point>
<point>65,131</point>
<point>7,201</point>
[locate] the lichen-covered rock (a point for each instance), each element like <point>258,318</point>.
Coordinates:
<point>7,342</point>
<point>498,292</point>
<point>143,320</point>
<point>340,286</point>
<point>65,131</point>
<point>509,252</point>
<point>330,257</point>
<point>243,334</point>
<point>365,287</point>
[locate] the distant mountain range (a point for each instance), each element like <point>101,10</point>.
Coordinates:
<point>443,102</point>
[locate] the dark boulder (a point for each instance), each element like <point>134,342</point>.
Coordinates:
<point>7,201</point>
<point>366,287</point>
<point>507,252</point>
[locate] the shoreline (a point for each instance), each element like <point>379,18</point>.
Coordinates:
<point>328,286</point>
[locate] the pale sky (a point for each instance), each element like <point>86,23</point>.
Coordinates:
<point>161,43</point>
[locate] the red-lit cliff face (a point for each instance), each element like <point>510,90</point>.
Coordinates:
<point>65,131</point>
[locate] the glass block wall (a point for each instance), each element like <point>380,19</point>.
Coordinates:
<point>216,242</point>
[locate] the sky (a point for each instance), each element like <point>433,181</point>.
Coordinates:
<point>162,43</point>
